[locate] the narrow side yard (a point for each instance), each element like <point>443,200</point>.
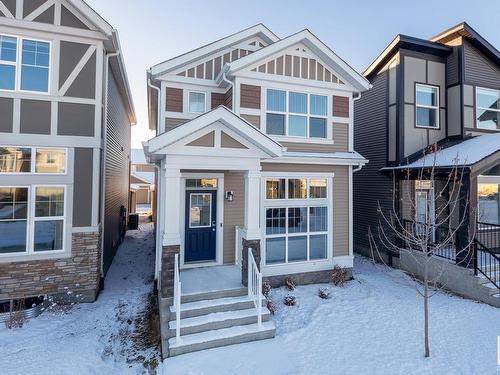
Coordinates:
<point>115,335</point>
<point>371,326</point>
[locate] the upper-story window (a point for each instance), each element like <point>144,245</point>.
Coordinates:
<point>27,70</point>
<point>196,102</point>
<point>32,160</point>
<point>488,109</point>
<point>427,106</point>
<point>296,114</point>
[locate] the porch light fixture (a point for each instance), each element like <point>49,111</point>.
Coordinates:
<point>229,196</point>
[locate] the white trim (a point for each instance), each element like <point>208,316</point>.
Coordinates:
<point>312,266</point>
<point>77,69</point>
<point>38,11</point>
<point>187,101</point>
<point>5,11</point>
<point>485,109</point>
<point>434,107</point>
<point>190,205</point>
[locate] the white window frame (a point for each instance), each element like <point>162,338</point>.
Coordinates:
<point>33,161</point>
<point>307,115</point>
<point>30,244</point>
<point>485,109</point>
<point>436,107</point>
<point>12,63</point>
<point>18,64</point>
<point>298,203</point>
<point>189,92</point>
<point>482,179</point>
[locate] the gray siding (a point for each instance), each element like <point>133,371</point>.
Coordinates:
<point>452,71</point>
<point>7,117</point>
<point>117,168</point>
<point>82,188</point>
<point>370,140</point>
<point>479,70</point>
<point>35,116</point>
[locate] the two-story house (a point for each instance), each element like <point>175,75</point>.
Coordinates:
<point>65,117</point>
<point>255,152</point>
<point>434,109</point>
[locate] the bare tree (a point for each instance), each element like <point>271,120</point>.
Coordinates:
<point>424,239</point>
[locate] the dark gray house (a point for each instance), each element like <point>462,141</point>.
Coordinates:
<point>439,98</point>
<point>66,111</point>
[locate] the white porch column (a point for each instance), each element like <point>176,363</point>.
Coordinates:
<point>172,204</point>
<point>252,204</point>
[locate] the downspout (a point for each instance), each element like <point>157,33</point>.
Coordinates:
<point>233,93</point>
<point>158,190</point>
<point>104,127</point>
<point>358,168</point>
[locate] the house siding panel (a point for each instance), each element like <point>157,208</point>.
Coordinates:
<point>174,99</point>
<point>117,170</point>
<point>7,117</point>
<point>479,70</point>
<point>340,138</point>
<point>76,119</point>
<point>82,191</point>
<point>250,96</point>
<point>233,213</point>
<point>218,99</point>
<point>35,116</point>
<point>172,123</point>
<point>340,106</point>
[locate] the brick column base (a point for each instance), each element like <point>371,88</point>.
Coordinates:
<point>255,246</point>
<point>167,270</point>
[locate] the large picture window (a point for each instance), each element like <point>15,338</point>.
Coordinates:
<point>32,219</point>
<point>296,114</point>
<point>427,106</point>
<point>32,160</point>
<point>487,109</point>
<point>25,71</point>
<point>296,219</point>
<point>489,202</point>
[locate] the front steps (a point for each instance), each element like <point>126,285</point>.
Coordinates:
<point>214,319</point>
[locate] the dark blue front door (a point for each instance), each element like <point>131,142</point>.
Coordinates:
<point>201,220</point>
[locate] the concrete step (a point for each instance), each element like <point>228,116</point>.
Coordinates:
<point>194,297</point>
<point>218,320</point>
<point>198,308</point>
<point>221,337</point>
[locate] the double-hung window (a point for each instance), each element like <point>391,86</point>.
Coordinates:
<point>296,114</point>
<point>24,64</point>
<point>427,106</point>
<point>487,109</point>
<point>296,219</point>
<point>31,219</point>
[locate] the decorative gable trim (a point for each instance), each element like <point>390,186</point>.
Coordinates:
<point>207,140</point>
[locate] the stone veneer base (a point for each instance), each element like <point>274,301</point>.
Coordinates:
<point>304,278</point>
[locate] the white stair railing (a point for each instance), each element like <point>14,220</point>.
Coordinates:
<point>177,299</point>
<point>255,285</point>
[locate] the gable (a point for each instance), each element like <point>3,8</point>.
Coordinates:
<point>207,140</point>
<point>297,62</point>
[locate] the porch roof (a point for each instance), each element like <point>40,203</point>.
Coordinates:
<point>464,154</point>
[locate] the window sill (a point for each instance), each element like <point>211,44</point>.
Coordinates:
<point>25,257</point>
<point>428,127</point>
<point>320,141</point>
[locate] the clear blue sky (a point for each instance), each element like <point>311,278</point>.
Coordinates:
<point>154,30</point>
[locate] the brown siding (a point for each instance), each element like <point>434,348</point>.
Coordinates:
<point>144,168</point>
<point>218,99</point>
<point>207,140</point>
<point>117,171</point>
<point>82,191</point>
<point>340,106</point>
<point>233,212</point>
<point>252,119</point>
<point>35,116</point>
<point>174,99</point>
<point>226,141</point>
<point>250,96</point>
<point>172,123</point>
<point>228,98</point>
<point>340,198</point>
<point>340,142</point>
<point>7,111</point>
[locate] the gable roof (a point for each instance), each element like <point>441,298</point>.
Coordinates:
<point>112,45</point>
<point>257,30</point>
<point>310,40</point>
<point>225,116</point>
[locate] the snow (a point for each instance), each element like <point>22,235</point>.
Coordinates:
<point>371,326</point>
<point>90,338</point>
<point>209,279</point>
<point>468,152</point>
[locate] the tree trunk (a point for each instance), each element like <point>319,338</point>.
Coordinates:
<point>426,318</point>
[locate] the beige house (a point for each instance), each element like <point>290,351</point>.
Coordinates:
<point>255,151</point>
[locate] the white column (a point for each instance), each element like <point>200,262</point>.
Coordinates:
<point>172,204</point>
<point>252,204</point>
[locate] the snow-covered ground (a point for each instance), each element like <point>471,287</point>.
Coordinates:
<point>371,326</point>
<point>105,337</point>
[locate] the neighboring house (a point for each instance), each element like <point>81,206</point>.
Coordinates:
<point>142,180</point>
<point>443,91</point>
<point>66,111</point>
<point>255,148</point>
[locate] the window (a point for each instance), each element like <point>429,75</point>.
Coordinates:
<point>201,183</point>
<point>196,102</point>
<point>200,210</point>
<point>427,106</point>
<point>296,114</point>
<point>20,160</point>
<point>487,109</point>
<point>29,71</point>
<point>32,220</point>
<point>296,219</point>
<point>489,202</point>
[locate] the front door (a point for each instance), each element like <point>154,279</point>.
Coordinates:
<point>201,219</point>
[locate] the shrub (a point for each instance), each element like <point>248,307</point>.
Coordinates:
<point>290,300</point>
<point>271,307</point>
<point>324,293</point>
<point>266,289</point>
<point>339,276</point>
<point>289,284</point>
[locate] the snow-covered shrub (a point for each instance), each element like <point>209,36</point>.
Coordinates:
<point>289,284</point>
<point>266,289</point>
<point>324,293</point>
<point>290,300</point>
<point>339,276</point>
<point>270,306</point>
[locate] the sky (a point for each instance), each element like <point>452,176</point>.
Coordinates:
<point>152,31</point>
